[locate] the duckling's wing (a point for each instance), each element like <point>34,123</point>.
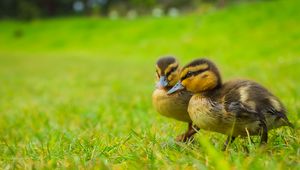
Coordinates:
<point>246,98</point>
<point>233,104</point>
<point>241,111</point>
<point>267,104</point>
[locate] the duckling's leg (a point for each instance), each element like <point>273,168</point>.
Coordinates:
<point>264,134</point>
<point>188,135</point>
<point>228,141</point>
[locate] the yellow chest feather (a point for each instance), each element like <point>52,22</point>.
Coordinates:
<point>173,106</point>
<point>202,114</point>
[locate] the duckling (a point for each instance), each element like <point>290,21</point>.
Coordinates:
<point>172,106</point>
<point>235,108</point>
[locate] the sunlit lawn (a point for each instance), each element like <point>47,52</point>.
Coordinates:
<point>76,92</point>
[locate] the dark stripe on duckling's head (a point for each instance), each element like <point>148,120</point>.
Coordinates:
<point>201,75</point>
<point>167,68</point>
<point>198,66</point>
<point>193,73</point>
<point>163,63</point>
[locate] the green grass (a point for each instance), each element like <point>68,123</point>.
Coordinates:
<point>76,92</point>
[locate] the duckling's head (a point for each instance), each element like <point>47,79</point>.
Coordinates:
<point>200,75</point>
<point>167,72</point>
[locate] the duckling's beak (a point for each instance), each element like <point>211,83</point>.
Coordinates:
<point>163,82</point>
<point>178,86</point>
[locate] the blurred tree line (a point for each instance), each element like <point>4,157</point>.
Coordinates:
<point>29,9</point>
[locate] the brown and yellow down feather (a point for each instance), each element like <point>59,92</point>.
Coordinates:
<point>173,106</point>
<point>237,108</point>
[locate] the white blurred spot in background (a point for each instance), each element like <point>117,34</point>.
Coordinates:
<point>113,15</point>
<point>173,12</point>
<point>78,6</point>
<point>157,12</point>
<point>132,14</point>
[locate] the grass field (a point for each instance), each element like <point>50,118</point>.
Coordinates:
<point>76,92</point>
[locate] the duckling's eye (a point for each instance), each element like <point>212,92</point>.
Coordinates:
<point>173,69</point>
<point>189,74</point>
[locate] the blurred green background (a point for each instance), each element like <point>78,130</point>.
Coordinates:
<point>76,85</point>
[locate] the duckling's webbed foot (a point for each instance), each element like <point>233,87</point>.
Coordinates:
<point>228,141</point>
<point>189,134</point>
